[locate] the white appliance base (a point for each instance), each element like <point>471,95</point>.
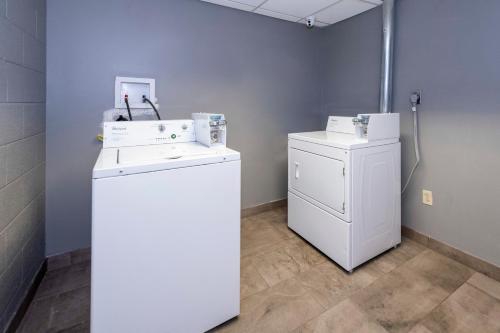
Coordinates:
<point>166,250</point>
<point>328,233</point>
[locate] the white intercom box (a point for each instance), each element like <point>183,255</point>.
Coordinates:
<point>134,88</point>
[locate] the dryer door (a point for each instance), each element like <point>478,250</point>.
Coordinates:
<point>318,177</point>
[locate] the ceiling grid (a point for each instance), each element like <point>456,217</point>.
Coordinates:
<point>326,12</point>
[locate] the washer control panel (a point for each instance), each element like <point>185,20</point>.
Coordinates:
<point>140,133</point>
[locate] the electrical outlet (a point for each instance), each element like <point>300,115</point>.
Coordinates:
<point>427,197</point>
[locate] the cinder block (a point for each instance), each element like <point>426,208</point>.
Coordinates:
<point>33,53</point>
<point>10,281</point>
<point>34,84</point>
<point>3,81</point>
<point>33,183</point>
<point>40,147</point>
<point>11,41</point>
<point>42,201</point>
<point>11,202</point>
<point>3,166</point>
<point>33,119</point>
<point>20,230</point>
<point>33,254</point>
<point>23,14</point>
<point>31,259</point>
<point>14,303</point>
<point>16,78</point>
<point>11,122</point>
<point>41,20</point>
<point>21,156</point>
<point>3,252</point>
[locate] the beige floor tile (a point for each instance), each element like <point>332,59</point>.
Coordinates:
<point>259,241</point>
<point>330,284</point>
<point>58,261</point>
<point>282,227</point>
<point>280,223</point>
<point>64,279</point>
<point>276,265</point>
<point>253,223</point>
<point>251,281</point>
<point>486,284</point>
<point>345,317</point>
<point>37,316</point>
<point>281,308</point>
<point>81,255</point>
<point>394,258</point>
<point>258,236</point>
<point>305,254</point>
<point>78,328</point>
<point>399,300</point>
<point>439,270</point>
<point>56,313</point>
<point>419,328</point>
<point>466,310</point>
<point>285,261</point>
<point>405,289</point>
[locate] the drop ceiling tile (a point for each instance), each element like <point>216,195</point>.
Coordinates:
<point>256,3</point>
<point>316,24</point>
<point>321,24</point>
<point>232,4</point>
<point>298,8</point>
<point>342,10</point>
<point>276,15</point>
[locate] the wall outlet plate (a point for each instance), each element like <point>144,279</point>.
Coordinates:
<point>134,88</point>
<point>427,197</point>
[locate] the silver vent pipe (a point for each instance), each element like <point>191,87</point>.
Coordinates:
<point>385,105</point>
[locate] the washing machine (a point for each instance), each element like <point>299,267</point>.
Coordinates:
<point>344,187</point>
<point>165,230</point>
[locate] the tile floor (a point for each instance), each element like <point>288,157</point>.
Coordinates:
<point>287,286</point>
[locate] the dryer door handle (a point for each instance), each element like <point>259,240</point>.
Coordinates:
<point>297,173</point>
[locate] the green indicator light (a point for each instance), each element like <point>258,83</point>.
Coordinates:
<point>173,136</point>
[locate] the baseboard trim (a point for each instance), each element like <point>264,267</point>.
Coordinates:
<point>449,251</point>
<point>246,212</point>
<point>67,259</point>
<point>28,298</point>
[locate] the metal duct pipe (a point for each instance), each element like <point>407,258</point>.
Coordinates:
<point>385,105</point>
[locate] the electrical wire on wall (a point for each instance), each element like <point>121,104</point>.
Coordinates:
<point>414,100</point>
<point>145,99</point>
<point>128,108</point>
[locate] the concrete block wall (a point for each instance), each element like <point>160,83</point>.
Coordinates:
<point>22,149</point>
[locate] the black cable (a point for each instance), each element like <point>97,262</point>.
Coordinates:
<point>145,99</point>
<point>128,108</point>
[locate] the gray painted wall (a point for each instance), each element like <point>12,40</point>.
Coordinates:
<point>260,72</point>
<point>22,150</point>
<point>449,49</point>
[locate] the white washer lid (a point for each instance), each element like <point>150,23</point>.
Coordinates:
<point>339,140</point>
<point>130,160</point>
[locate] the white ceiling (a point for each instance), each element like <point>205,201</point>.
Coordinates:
<point>326,12</point>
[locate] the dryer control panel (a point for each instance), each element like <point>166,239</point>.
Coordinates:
<point>141,133</point>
